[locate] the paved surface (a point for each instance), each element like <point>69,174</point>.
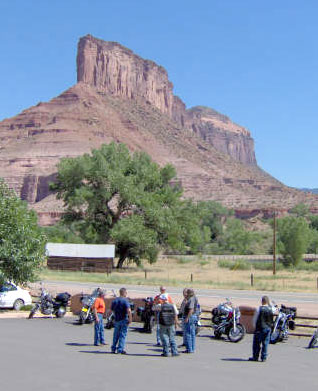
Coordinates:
<point>55,354</point>
<point>306,303</point>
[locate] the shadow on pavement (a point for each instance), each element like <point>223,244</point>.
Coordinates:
<point>127,354</point>
<point>78,344</point>
<point>235,359</point>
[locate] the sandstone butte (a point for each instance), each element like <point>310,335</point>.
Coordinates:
<point>123,98</point>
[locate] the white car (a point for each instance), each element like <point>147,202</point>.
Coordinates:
<point>12,296</point>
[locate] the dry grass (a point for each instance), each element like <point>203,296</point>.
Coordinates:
<point>177,271</point>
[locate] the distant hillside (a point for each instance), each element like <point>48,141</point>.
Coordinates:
<point>314,191</point>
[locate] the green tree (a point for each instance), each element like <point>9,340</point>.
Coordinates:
<point>59,233</point>
<point>213,215</point>
<point>112,196</point>
<point>22,244</point>
<point>293,238</point>
<point>300,210</point>
<point>236,239</point>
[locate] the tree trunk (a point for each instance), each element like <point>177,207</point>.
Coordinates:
<point>121,261</point>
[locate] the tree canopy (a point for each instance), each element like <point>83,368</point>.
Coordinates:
<point>22,245</point>
<point>111,195</point>
<point>294,236</point>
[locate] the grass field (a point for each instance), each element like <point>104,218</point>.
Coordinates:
<point>203,272</point>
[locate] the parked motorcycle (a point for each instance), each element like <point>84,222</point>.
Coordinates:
<point>226,320</point>
<point>283,323</point>
<point>314,339</point>
<point>49,306</point>
<point>147,315</point>
<point>86,315</point>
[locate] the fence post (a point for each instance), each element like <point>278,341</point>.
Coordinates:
<point>145,274</point>
<point>191,278</point>
<point>252,279</point>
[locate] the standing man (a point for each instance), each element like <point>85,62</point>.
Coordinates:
<point>122,311</point>
<point>181,314</point>
<point>99,310</point>
<point>190,320</point>
<point>168,319</point>
<point>157,307</point>
<point>262,334</point>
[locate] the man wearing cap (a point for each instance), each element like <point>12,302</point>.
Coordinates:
<point>99,310</point>
<point>157,307</point>
<point>168,319</point>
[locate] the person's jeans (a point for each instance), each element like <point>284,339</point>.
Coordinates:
<point>119,336</point>
<point>167,336</point>
<point>261,337</point>
<point>99,331</point>
<point>158,328</point>
<point>189,329</point>
<point>183,332</point>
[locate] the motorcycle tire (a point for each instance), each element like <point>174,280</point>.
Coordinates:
<point>217,334</point>
<point>276,337</point>
<point>60,312</point>
<point>312,342</point>
<point>109,324</point>
<point>32,313</point>
<point>82,317</point>
<point>238,335</point>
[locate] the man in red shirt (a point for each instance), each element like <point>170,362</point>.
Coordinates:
<point>99,310</point>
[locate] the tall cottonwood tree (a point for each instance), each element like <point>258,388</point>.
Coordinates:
<point>113,196</point>
<point>22,244</point>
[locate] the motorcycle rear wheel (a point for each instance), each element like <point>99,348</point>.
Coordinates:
<point>238,334</point>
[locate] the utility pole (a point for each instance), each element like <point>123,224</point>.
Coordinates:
<point>274,243</point>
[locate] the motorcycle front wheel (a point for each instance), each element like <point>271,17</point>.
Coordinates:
<point>276,336</point>
<point>238,334</point>
<point>82,317</point>
<point>312,342</point>
<point>32,312</point>
<point>60,312</point>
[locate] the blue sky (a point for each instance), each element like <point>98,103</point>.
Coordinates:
<point>255,61</point>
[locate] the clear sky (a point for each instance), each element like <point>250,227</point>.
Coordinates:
<point>255,61</point>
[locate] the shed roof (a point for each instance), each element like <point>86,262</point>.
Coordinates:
<point>80,250</point>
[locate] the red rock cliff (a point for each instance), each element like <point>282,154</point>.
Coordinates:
<point>116,70</point>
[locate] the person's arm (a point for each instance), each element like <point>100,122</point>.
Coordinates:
<point>129,315</point>
<point>186,320</point>
<point>95,312</point>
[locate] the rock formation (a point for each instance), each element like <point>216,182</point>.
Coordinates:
<point>116,70</point>
<point>121,97</point>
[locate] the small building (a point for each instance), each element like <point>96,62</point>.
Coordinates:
<point>98,258</point>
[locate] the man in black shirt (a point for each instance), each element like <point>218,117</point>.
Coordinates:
<point>263,328</point>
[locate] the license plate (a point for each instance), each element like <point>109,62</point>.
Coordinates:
<point>84,309</point>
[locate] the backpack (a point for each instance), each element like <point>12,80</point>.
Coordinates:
<point>167,315</point>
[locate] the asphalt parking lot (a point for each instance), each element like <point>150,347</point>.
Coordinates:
<point>56,354</point>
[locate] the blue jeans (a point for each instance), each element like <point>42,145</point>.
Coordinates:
<point>167,336</point>
<point>158,328</point>
<point>119,336</point>
<point>99,331</point>
<point>261,337</point>
<point>189,329</point>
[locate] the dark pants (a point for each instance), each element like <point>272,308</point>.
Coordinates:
<point>261,338</point>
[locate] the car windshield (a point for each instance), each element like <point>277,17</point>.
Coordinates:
<point>6,287</point>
